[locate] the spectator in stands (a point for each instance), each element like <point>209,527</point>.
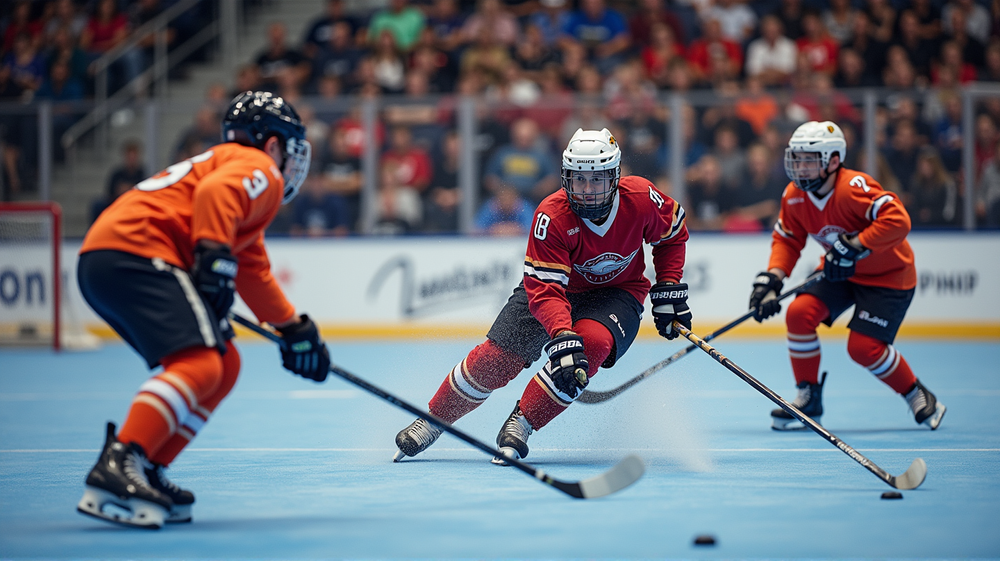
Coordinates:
<point>712,57</point>
<point>771,58</point>
<point>130,172</point>
<point>659,52</point>
<point>871,49</point>
<point>899,72</point>
<point>901,155</point>
<point>340,174</point>
<point>412,164</point>
<point>817,46</point>
<point>904,108</point>
<point>929,17</point>
<point>972,48</point>
<point>440,69</point>
<point>388,66</point>
<point>403,21</point>
<point>738,22</point>
<point>695,149</point>
<point>756,202</point>
<point>247,80</point>
<point>321,30</point>
<point>839,20</point>
<point>337,57</point>
<point>851,71</point>
<point>525,165</point>
<point>491,14</point>
<point>730,158</point>
<point>316,212</point>
<point>627,89</point>
<point>105,30</point>
<point>13,127</point>
<point>723,114</point>
<point>987,137</point>
<point>976,18</point>
<point>445,21</point>
<point>588,114</point>
<point>142,12</point>
<point>883,19</point>
<point>20,23</point>
<point>66,16</point>
<point>505,214</point>
<point>27,67</point>
<point>487,57</point>
<point>790,13</point>
<point>398,209</point>
<point>948,132</point>
<point>919,50</point>
<point>933,195</point>
<point>756,106</point>
<point>990,72</point>
<point>601,31</point>
<point>202,135</point>
<point>532,54</point>
<point>951,57</point>
<point>60,87</point>
<point>575,65</point>
<point>554,106</point>
<point>988,197</point>
<point>652,13</point>
<point>278,58</point>
<point>62,48</point>
<point>643,132</point>
<point>550,21</point>
<point>708,202</point>
<point>442,198</point>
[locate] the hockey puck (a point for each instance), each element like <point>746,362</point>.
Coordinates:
<point>706,539</point>
<point>892,495</point>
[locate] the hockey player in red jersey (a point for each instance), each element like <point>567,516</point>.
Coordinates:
<point>162,266</point>
<point>580,300</point>
<point>868,265</point>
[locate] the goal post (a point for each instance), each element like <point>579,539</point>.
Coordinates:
<point>35,309</point>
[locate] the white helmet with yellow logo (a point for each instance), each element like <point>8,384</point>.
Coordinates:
<point>591,168</point>
<point>809,152</point>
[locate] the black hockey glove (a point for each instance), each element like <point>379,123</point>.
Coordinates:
<point>840,260</point>
<point>764,298</point>
<point>568,364</point>
<point>214,276</point>
<point>303,352</point>
<point>669,304</point>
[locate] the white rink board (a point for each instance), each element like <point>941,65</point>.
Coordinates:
<point>454,281</point>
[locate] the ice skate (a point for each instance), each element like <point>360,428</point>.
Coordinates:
<point>182,498</point>
<point>415,438</point>
<point>117,489</point>
<point>927,410</point>
<point>809,402</point>
<point>513,437</point>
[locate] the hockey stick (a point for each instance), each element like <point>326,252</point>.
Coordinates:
<point>623,474</point>
<point>593,397</point>
<point>910,479</point>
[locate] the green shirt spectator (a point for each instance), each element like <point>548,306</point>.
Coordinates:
<point>404,22</point>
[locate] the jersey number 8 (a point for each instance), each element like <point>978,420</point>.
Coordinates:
<point>542,225</point>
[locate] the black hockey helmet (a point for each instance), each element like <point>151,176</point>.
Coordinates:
<point>254,117</point>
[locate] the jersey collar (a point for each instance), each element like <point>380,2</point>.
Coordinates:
<point>603,228</point>
<point>818,202</point>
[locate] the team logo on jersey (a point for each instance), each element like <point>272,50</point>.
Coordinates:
<point>796,200</point>
<point>573,231</point>
<point>827,235</point>
<point>605,267</point>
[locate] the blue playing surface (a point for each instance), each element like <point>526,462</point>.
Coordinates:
<point>291,469</point>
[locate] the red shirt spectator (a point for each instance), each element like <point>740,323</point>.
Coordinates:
<point>656,56</point>
<point>105,29</point>
<point>412,164</point>
<point>650,14</point>
<point>20,24</point>
<point>712,56</point>
<point>817,46</point>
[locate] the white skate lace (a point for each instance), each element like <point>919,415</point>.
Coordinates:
<point>164,482</point>
<point>518,426</point>
<point>917,400</point>
<point>805,394</point>
<point>423,432</point>
<point>132,468</point>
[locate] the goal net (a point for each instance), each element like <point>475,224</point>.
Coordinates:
<point>34,305</point>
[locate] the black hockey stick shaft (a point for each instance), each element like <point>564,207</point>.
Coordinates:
<point>913,476</point>
<point>578,490</point>
<point>594,397</point>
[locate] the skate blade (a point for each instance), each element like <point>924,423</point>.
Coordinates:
<point>789,424</point>
<point>144,514</point>
<point>508,452</point>
<point>180,514</point>
<point>934,420</point>
<point>398,456</point>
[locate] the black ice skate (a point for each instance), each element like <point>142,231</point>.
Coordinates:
<point>117,489</point>
<point>927,410</point>
<point>809,402</point>
<point>182,498</point>
<point>513,437</point>
<point>415,438</point>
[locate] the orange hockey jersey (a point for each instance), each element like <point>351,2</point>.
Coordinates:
<point>857,205</point>
<point>228,194</point>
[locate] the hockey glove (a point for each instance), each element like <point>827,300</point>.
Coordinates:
<point>840,260</point>
<point>303,352</point>
<point>669,304</point>
<point>568,364</point>
<point>214,276</point>
<point>764,298</point>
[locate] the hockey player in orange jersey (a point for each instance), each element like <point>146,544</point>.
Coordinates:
<point>161,265</point>
<point>868,265</point>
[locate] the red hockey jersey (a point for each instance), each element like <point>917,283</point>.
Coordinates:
<point>857,205</point>
<point>568,253</point>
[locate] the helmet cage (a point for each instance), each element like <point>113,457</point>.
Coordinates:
<point>805,169</point>
<point>298,156</point>
<point>591,194</point>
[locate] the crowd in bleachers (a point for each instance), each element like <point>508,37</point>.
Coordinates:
<point>546,67</point>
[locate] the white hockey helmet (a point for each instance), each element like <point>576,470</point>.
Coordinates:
<point>809,152</point>
<point>597,155</point>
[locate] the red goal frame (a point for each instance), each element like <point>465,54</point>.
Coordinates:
<point>53,209</point>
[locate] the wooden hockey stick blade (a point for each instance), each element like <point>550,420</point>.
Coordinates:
<point>623,474</point>
<point>910,479</point>
<point>593,397</point>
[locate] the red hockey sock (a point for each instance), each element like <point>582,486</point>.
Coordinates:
<point>882,360</point>
<point>542,401</point>
<point>165,402</point>
<point>804,315</point>
<point>486,368</point>
<point>199,416</point>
